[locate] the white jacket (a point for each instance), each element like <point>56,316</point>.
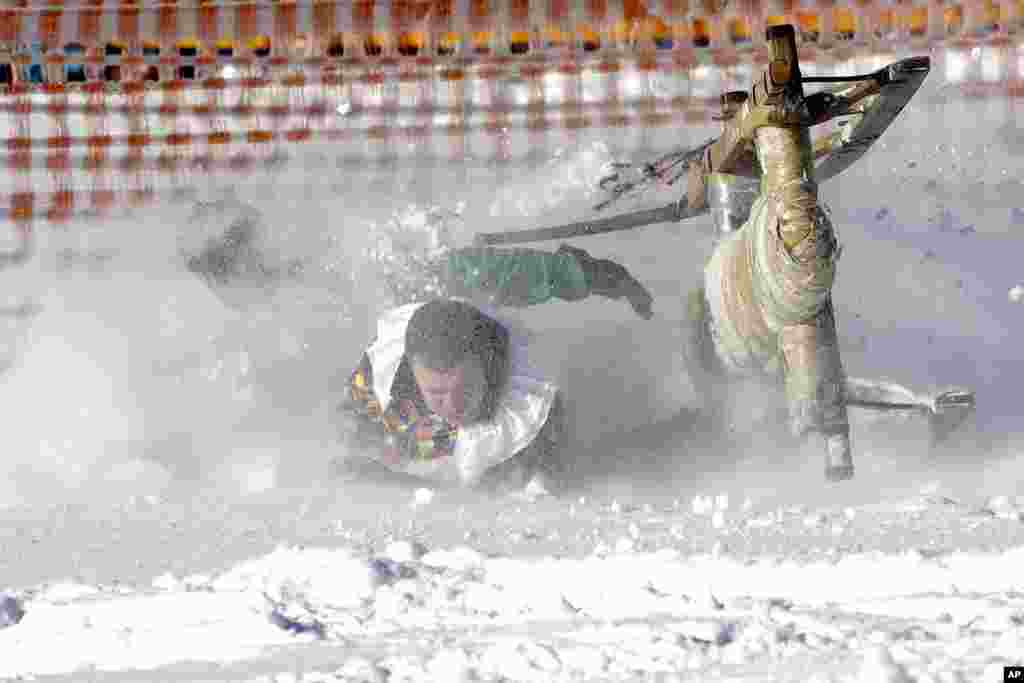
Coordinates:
<point>521,412</point>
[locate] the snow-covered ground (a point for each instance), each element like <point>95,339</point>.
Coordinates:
<point>166,514</point>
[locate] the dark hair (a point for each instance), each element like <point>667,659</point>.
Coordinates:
<point>443,333</point>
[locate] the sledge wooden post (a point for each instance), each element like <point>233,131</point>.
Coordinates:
<point>780,82</point>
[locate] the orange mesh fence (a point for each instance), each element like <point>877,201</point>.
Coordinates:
<point>111,104</point>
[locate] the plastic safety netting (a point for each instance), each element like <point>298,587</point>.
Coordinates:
<point>112,104</point>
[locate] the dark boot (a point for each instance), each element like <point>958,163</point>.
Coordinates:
<point>609,279</point>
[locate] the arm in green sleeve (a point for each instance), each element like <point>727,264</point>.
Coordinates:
<point>516,277</point>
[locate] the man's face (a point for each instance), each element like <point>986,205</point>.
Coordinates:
<point>456,394</point>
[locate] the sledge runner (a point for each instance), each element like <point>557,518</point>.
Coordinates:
<point>764,306</point>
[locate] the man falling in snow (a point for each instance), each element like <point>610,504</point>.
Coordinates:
<point>445,393</point>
